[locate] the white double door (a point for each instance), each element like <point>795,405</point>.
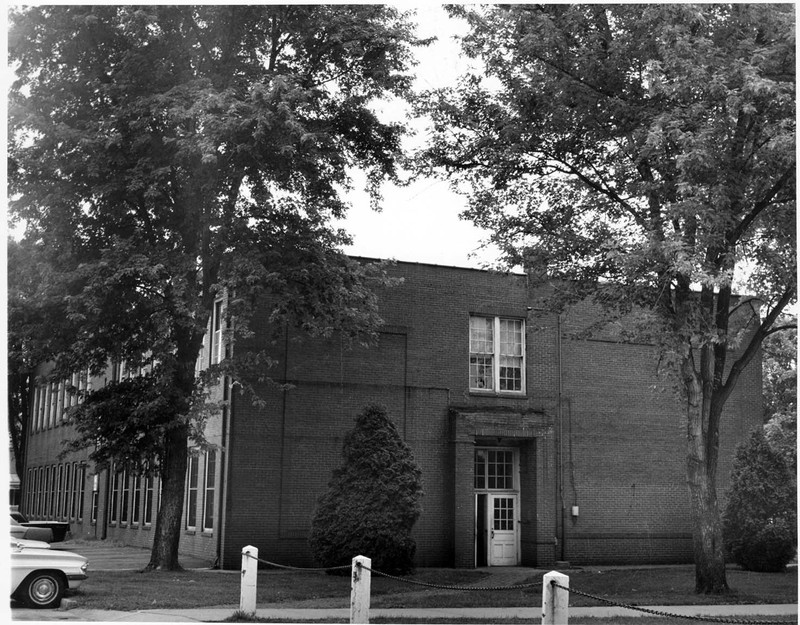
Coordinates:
<point>501,528</point>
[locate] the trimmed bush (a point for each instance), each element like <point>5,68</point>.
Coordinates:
<point>373,499</point>
<point>760,519</point>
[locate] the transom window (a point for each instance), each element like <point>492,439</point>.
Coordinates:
<point>494,469</point>
<point>496,354</point>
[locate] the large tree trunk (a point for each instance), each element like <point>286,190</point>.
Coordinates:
<point>19,389</point>
<point>166,539</point>
<point>167,536</point>
<point>702,447</point>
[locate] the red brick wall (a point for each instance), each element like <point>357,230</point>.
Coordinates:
<point>621,451</point>
<point>615,448</point>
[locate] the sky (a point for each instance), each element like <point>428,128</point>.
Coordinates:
<point>420,223</point>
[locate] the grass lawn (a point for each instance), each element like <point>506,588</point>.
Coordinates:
<point>128,590</point>
<point>661,586</point>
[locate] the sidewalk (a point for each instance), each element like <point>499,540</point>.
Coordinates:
<point>444,615</point>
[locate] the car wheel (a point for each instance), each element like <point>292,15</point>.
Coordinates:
<point>42,589</point>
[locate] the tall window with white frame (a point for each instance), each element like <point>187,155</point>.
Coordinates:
<point>216,333</point>
<point>81,479</point>
<point>95,498</point>
<point>191,493</point>
<point>112,507</point>
<point>148,500</point>
<point>496,354</point>
<point>208,494</point>
<point>136,494</point>
<point>67,507</point>
<point>125,490</point>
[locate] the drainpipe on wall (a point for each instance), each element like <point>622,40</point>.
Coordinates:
<point>222,507</point>
<point>560,416</point>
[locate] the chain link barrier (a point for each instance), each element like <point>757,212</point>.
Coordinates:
<point>445,587</point>
<point>414,582</point>
<point>310,569</point>
<point>707,619</point>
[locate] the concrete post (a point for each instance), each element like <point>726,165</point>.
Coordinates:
<point>555,601</point>
<point>247,597</point>
<point>359,590</point>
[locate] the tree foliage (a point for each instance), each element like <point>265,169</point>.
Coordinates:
<point>27,279</point>
<point>760,520</point>
<point>373,499</point>
<point>780,370</point>
<point>162,156</point>
<point>642,156</point>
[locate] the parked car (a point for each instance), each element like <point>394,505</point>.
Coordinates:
<point>59,529</point>
<point>39,577</point>
<point>25,532</point>
<point>31,544</point>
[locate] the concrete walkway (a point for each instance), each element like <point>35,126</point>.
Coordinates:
<point>443,615</point>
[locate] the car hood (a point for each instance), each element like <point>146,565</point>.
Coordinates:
<point>51,555</point>
<point>29,544</point>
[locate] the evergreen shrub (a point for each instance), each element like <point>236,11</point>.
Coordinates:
<point>372,501</point>
<point>760,518</point>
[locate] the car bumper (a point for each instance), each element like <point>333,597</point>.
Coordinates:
<point>75,580</point>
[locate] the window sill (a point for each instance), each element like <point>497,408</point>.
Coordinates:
<point>480,393</point>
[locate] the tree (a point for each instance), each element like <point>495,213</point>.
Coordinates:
<point>760,519</point>
<point>163,156</point>
<point>641,156</point>
<point>25,279</point>
<point>780,370</point>
<point>372,500</point>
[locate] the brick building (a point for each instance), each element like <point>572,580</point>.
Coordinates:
<point>535,446</point>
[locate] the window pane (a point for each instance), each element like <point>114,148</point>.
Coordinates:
<point>501,470</point>
<point>510,373</point>
<point>481,335</point>
<point>481,372</point>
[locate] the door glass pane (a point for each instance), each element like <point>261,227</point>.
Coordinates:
<point>503,513</point>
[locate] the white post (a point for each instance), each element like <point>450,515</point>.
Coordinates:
<point>555,601</point>
<point>247,598</point>
<point>359,590</point>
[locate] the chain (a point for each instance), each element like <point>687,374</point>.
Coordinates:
<point>299,568</point>
<point>711,619</point>
<point>414,582</point>
<point>443,587</point>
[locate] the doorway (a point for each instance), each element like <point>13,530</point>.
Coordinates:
<point>496,530</point>
<point>496,507</point>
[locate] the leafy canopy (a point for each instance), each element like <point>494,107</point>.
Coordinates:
<point>161,156</point>
<point>633,150</point>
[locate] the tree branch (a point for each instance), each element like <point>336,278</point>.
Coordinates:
<point>602,189</point>
<point>764,329</point>
<point>759,206</point>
